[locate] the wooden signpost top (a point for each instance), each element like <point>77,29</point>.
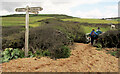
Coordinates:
<point>30,9</point>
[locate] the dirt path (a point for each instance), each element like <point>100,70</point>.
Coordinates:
<point>83,59</point>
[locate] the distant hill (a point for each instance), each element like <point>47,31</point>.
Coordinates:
<point>113,18</point>
<point>46,15</point>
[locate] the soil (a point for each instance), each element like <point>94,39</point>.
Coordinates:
<point>84,58</point>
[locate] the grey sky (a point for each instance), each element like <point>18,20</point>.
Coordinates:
<point>10,6</point>
<point>69,7</point>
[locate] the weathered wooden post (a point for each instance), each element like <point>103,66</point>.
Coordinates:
<point>27,10</point>
<point>27,31</point>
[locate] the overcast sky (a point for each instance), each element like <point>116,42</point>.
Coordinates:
<point>77,8</point>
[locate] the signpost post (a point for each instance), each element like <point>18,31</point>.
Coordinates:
<point>27,10</point>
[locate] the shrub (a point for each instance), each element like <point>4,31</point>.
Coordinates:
<point>40,53</point>
<point>30,54</point>
<point>74,31</point>
<point>12,37</point>
<point>46,53</point>
<point>98,45</point>
<point>7,31</point>
<point>110,39</point>
<point>46,38</point>
<point>10,53</point>
<point>63,52</point>
<point>43,38</point>
<point>14,41</point>
<point>52,35</point>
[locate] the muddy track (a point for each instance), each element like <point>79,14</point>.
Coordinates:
<point>84,58</point>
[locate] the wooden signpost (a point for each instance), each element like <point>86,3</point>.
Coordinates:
<point>27,10</point>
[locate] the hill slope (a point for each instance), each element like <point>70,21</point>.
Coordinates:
<point>84,58</point>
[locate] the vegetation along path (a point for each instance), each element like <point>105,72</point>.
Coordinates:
<point>84,58</point>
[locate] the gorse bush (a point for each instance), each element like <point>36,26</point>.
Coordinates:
<point>110,39</point>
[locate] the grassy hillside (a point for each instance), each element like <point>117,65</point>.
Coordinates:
<point>88,29</point>
<point>92,21</point>
<point>19,20</point>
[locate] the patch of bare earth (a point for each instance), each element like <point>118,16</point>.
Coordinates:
<point>84,58</point>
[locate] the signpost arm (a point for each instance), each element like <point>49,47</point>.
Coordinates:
<point>27,32</point>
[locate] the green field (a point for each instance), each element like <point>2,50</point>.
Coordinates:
<point>19,20</point>
<point>89,29</point>
<point>82,20</point>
